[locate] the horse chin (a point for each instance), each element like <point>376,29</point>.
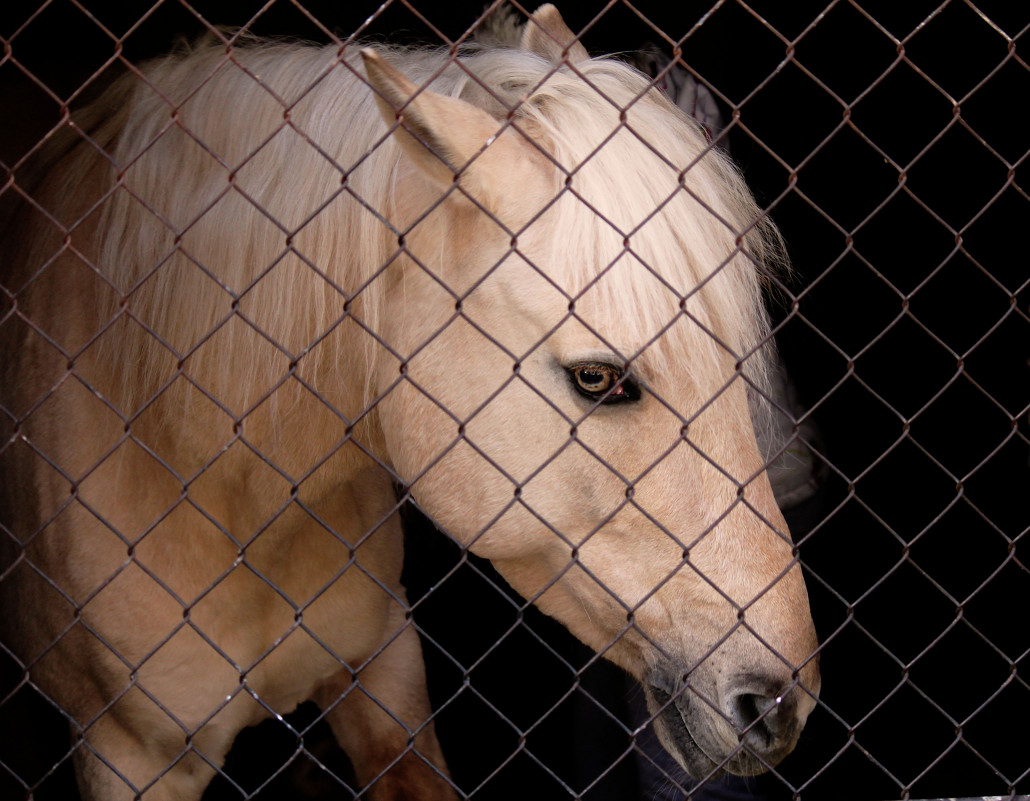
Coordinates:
<point>673,722</point>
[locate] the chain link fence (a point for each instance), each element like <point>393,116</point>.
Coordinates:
<point>885,141</point>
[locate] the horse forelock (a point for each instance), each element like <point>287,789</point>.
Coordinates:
<point>651,222</point>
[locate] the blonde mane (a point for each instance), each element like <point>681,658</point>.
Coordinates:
<point>262,181</point>
<point>662,224</point>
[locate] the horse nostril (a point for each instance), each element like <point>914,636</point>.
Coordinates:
<point>770,718</point>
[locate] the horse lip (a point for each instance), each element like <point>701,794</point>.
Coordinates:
<point>692,756</point>
<point>699,763</point>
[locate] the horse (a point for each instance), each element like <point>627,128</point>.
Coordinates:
<point>267,292</point>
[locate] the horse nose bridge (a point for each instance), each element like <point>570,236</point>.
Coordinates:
<point>760,576</point>
<point>776,628</point>
<point>748,548</point>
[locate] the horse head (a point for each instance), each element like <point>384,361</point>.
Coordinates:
<point>572,363</point>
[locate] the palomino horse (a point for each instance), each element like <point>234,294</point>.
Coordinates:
<point>270,283</point>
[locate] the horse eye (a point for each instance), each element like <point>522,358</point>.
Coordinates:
<point>602,382</point>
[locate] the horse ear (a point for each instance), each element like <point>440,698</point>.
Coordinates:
<point>547,35</point>
<point>440,134</point>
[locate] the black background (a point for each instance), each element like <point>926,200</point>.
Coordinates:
<point>888,139</point>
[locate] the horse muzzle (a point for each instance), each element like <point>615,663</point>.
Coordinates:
<point>744,725</point>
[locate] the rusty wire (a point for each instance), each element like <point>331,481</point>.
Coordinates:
<point>884,140</point>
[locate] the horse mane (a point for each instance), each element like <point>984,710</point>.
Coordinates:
<point>255,187</point>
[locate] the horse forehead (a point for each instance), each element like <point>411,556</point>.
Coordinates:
<point>526,171</point>
<point>595,311</point>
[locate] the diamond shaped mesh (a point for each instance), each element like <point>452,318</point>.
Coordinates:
<point>886,142</point>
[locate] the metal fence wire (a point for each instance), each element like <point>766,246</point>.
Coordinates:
<point>886,142</point>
